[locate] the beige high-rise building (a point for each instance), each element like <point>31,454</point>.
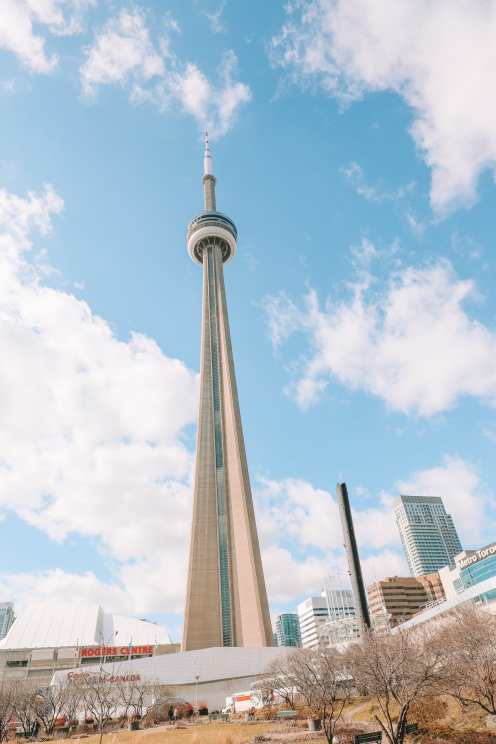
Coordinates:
<point>226,602</point>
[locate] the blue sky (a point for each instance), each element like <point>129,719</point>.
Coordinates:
<point>355,153</point>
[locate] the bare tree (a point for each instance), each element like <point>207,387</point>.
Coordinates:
<point>101,698</point>
<point>24,703</point>
<point>51,704</point>
<point>278,682</point>
<point>468,638</point>
<point>397,670</point>
<point>318,676</point>
<point>7,710</point>
<point>323,679</point>
<point>73,700</point>
<point>135,696</point>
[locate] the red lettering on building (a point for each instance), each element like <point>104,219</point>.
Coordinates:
<point>88,651</point>
<point>113,679</point>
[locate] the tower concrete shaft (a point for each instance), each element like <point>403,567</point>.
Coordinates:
<point>226,603</point>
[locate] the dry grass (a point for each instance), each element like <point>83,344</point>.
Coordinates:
<point>450,717</point>
<point>208,733</point>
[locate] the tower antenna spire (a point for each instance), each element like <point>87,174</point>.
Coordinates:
<point>208,177</point>
<point>208,169</point>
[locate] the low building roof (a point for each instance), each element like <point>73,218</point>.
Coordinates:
<point>62,624</point>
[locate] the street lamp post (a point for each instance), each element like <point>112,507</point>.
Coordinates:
<point>197,678</point>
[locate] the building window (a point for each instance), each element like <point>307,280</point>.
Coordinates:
<point>17,663</point>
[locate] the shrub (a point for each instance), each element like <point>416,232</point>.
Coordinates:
<point>466,737</point>
<point>428,711</point>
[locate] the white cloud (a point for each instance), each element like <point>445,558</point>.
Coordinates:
<point>215,18</point>
<point>231,95</point>
<point>382,565</point>
<point>353,172</point>
<point>377,194</point>
<point>413,343</point>
<point>301,538</point>
<point>301,535</point>
<point>123,53</point>
<point>25,24</point>
<point>57,585</point>
<point>92,444</point>
<point>438,56</point>
<point>294,509</point>
<point>289,578</point>
<point>92,434</point>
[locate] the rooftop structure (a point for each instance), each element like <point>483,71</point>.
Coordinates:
<point>340,601</point>
<point>428,534</point>
<point>59,624</point>
<point>339,632</point>
<point>342,624</point>
<point>226,599</point>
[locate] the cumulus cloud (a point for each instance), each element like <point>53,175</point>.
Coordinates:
<point>438,56</point>
<point>124,53</point>
<point>309,517</point>
<point>381,565</point>
<point>301,533</point>
<point>302,540</point>
<point>289,578</point>
<point>295,509</point>
<point>25,25</point>
<point>92,435</point>
<point>412,343</point>
<point>92,444</point>
<point>57,585</point>
<point>120,52</point>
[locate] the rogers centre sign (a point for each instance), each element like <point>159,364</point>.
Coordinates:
<point>479,555</point>
<point>115,651</point>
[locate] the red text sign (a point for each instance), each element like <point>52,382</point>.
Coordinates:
<point>115,651</point>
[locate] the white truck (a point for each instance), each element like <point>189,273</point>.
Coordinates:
<point>242,702</point>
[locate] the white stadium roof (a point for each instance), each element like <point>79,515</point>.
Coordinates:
<point>66,624</point>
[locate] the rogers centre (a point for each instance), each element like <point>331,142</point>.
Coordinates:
<point>50,636</point>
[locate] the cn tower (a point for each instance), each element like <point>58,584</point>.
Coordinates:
<point>226,601</point>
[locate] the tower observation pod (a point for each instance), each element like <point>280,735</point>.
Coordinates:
<point>226,599</point>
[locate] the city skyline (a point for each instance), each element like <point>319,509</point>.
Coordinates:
<point>361,300</point>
